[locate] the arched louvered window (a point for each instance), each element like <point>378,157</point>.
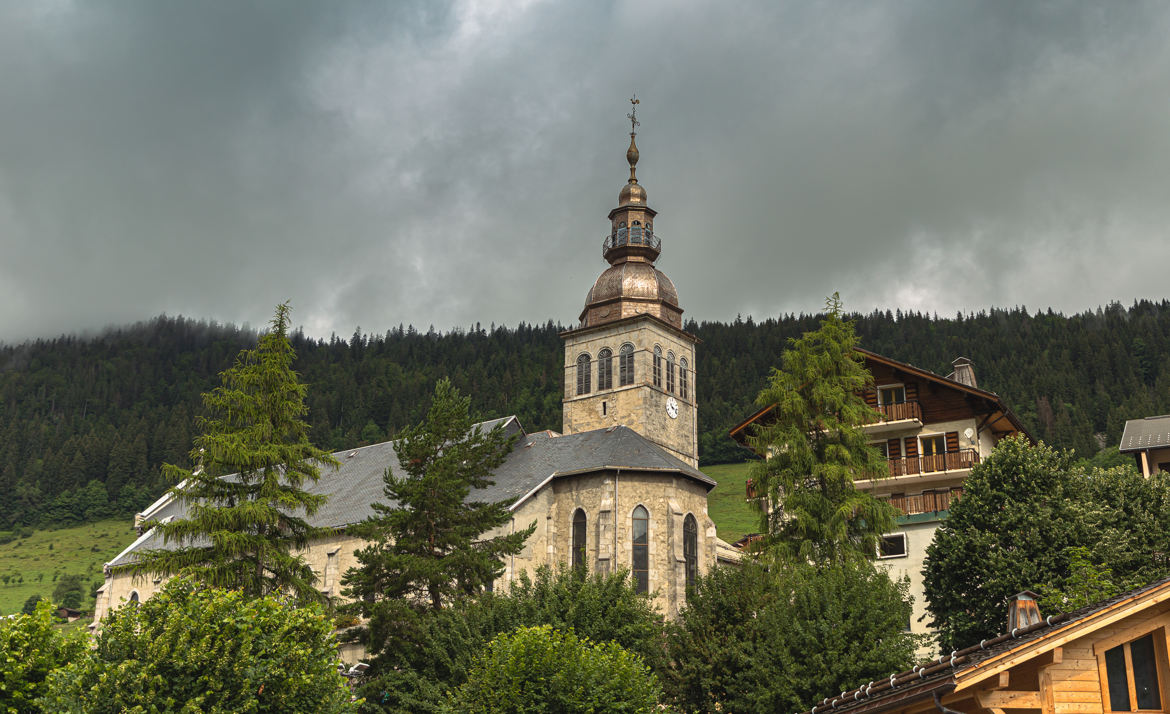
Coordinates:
<point>657,366</point>
<point>683,379</point>
<point>583,374</point>
<point>640,564</point>
<point>670,372</point>
<point>579,538</point>
<point>605,369</point>
<point>691,550</point>
<point>626,365</point>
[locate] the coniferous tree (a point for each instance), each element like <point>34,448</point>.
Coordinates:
<point>246,503</point>
<point>428,547</point>
<point>816,449</point>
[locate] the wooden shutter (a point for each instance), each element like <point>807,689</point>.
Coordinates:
<point>952,442</point>
<point>871,397</point>
<point>911,391</point>
<point>894,448</point>
<point>911,447</point>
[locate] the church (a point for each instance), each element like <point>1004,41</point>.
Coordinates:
<point>618,488</point>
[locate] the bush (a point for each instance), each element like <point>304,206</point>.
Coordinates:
<point>32,649</point>
<point>193,648</point>
<point>753,640</point>
<point>539,669</point>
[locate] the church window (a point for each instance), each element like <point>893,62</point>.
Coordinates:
<point>134,597</point>
<point>683,379</point>
<point>583,365</point>
<point>641,554</point>
<point>605,369</point>
<point>691,550</point>
<point>657,366</point>
<point>670,372</point>
<point>626,365</point>
<point>579,538</point>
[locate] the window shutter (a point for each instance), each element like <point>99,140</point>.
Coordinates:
<point>911,447</point>
<point>911,391</point>
<point>894,448</point>
<point>952,441</point>
<point>871,398</point>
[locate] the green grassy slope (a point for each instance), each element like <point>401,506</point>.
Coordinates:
<point>30,563</point>
<point>727,503</point>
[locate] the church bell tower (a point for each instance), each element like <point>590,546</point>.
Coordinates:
<point>629,362</point>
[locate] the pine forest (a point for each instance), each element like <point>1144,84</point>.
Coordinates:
<point>87,421</point>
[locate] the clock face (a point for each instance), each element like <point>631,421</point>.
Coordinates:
<point>671,408</point>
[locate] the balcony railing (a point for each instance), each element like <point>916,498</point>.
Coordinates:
<point>934,463</point>
<point>900,411</point>
<point>634,235</point>
<point>927,501</point>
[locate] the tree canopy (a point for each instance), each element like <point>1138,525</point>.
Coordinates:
<point>757,640</point>
<point>816,449</point>
<point>194,648</point>
<point>31,649</point>
<point>1031,519</point>
<point>246,502</point>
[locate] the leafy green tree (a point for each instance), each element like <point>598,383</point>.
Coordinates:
<point>434,652</point>
<point>31,648</point>
<point>816,449</point>
<point>69,591</point>
<point>428,549</point>
<point>539,669</point>
<point>194,648</point>
<point>30,605</point>
<point>753,640</point>
<point>246,501</point>
<point>1030,519</point>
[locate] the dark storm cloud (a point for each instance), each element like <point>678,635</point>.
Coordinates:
<point>448,164</point>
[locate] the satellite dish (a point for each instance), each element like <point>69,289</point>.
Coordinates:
<point>969,432</point>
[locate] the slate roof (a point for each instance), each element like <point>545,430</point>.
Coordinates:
<point>1149,433</point>
<point>536,460</point>
<point>939,675</point>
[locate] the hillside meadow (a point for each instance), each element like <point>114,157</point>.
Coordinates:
<point>31,565</point>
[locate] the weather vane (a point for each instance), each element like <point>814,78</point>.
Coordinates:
<point>633,115</point>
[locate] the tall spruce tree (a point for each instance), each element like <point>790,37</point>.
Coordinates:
<point>427,546</point>
<point>246,503</point>
<point>810,509</point>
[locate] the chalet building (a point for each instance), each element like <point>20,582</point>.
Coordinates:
<point>932,430</point>
<point>1108,657</point>
<point>1149,441</point>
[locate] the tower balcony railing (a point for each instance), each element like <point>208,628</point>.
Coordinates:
<point>634,235</point>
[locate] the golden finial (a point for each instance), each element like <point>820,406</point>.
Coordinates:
<point>632,152</point>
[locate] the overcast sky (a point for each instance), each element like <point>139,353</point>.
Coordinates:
<point>447,163</point>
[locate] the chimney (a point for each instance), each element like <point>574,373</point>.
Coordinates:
<point>1023,610</point>
<point>964,372</point>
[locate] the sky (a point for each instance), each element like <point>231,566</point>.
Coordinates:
<point>448,163</point>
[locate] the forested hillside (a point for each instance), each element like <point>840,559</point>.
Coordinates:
<point>86,422</point>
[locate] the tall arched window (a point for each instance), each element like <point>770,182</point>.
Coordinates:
<point>657,366</point>
<point>626,365</point>
<point>691,550</point>
<point>134,597</point>
<point>640,564</point>
<point>583,374</point>
<point>605,369</point>
<point>670,372</point>
<point>683,379</point>
<point>579,538</point>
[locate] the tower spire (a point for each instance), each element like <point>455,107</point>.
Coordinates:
<point>632,152</point>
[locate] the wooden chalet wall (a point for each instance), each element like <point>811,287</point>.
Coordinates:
<point>939,402</point>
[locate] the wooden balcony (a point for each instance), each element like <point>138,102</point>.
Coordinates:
<point>896,416</point>
<point>927,501</point>
<point>934,463</point>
